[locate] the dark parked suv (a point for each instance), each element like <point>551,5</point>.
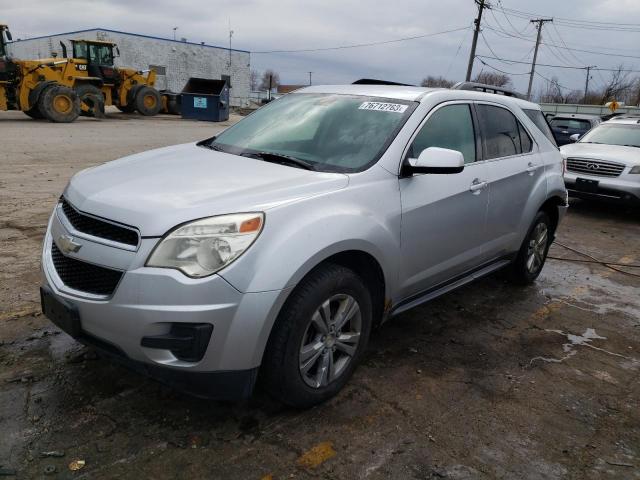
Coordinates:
<point>563,126</point>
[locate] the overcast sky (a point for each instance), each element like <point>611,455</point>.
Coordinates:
<point>261,25</point>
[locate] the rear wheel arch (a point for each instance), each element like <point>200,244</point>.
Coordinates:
<point>550,207</point>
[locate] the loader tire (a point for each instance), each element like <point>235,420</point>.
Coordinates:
<point>148,101</point>
<point>59,104</point>
<point>128,108</point>
<point>91,100</point>
<point>34,113</point>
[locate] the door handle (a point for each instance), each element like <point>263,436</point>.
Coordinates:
<point>531,168</point>
<point>477,186</point>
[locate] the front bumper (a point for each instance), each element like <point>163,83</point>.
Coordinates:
<point>622,189</point>
<point>148,302</point>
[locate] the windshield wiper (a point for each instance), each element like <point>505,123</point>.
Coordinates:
<point>628,145</point>
<point>281,159</point>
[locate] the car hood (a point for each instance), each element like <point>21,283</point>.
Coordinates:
<point>159,189</point>
<point>614,153</point>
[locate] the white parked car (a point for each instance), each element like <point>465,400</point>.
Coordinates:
<point>605,163</point>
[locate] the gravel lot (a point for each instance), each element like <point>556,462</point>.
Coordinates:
<point>492,381</point>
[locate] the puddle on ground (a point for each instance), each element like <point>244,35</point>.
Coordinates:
<point>570,348</point>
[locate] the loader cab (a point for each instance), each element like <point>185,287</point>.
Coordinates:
<point>7,67</point>
<point>99,57</point>
<point>5,38</point>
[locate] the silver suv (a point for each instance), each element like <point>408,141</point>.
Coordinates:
<point>272,250</point>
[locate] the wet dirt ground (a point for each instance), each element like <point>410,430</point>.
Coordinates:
<point>491,381</point>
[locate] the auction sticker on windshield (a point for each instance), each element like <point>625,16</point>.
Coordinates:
<point>383,107</point>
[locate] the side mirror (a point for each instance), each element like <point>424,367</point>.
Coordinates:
<point>436,160</point>
<point>575,137</point>
<point>8,33</point>
<point>117,52</point>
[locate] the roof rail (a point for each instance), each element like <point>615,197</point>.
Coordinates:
<point>482,87</point>
<point>373,81</point>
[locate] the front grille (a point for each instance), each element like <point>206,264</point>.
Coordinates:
<point>83,276</point>
<point>594,167</point>
<point>98,228</point>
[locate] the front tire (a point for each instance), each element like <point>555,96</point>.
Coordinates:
<point>59,104</point>
<point>533,252</point>
<point>148,101</point>
<point>319,337</point>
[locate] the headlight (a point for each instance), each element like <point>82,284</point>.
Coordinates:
<point>205,246</point>
<point>635,169</point>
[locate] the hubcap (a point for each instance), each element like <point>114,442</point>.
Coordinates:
<point>149,101</point>
<point>62,103</point>
<point>330,340</point>
<point>537,247</point>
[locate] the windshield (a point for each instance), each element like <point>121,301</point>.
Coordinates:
<point>100,54</point>
<point>329,132</point>
<point>97,54</point>
<point>614,135</point>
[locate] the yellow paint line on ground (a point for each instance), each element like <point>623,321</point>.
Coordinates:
<point>317,455</point>
<point>19,314</point>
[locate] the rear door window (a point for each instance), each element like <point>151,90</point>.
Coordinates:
<point>503,135</point>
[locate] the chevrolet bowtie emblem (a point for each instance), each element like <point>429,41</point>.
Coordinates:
<point>67,244</point>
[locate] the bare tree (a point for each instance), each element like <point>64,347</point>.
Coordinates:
<point>635,93</point>
<point>254,80</point>
<point>493,78</point>
<point>619,86</point>
<point>436,82</point>
<point>553,92</point>
<point>269,74</point>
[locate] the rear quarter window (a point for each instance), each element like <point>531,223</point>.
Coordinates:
<point>540,121</point>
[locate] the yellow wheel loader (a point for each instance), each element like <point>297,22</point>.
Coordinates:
<point>98,82</point>
<point>61,89</point>
<point>33,87</point>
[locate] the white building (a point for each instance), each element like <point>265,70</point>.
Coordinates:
<point>175,61</point>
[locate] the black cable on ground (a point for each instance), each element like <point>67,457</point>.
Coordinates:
<point>611,265</point>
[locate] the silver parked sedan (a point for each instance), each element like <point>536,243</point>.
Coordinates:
<point>274,248</point>
<point>605,163</point>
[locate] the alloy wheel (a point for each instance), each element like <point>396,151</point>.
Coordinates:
<point>330,340</point>
<point>537,248</point>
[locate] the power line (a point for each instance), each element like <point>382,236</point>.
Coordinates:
<point>566,48</point>
<point>360,45</point>
<point>507,60</point>
<point>497,69</point>
<point>573,23</point>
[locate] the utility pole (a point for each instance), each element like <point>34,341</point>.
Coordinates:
<point>472,54</point>
<point>586,83</point>
<point>540,22</point>
<point>230,36</point>
<point>310,77</point>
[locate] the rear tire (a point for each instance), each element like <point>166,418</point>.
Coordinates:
<point>34,113</point>
<point>148,101</point>
<point>128,108</point>
<point>533,252</point>
<point>319,337</point>
<point>91,100</point>
<point>59,104</point>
